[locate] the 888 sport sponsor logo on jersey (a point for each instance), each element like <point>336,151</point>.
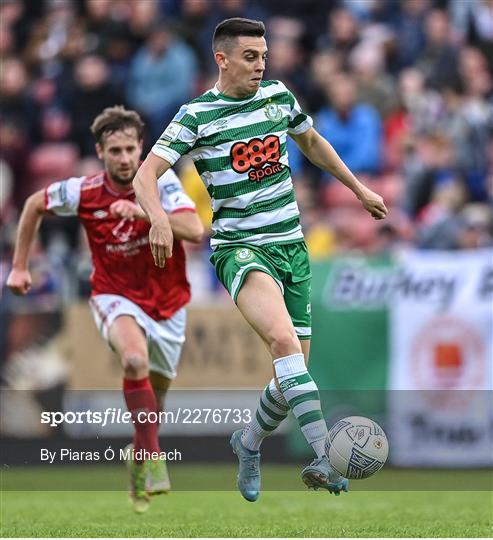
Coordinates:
<point>259,156</point>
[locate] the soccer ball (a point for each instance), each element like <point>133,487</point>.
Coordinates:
<point>356,447</point>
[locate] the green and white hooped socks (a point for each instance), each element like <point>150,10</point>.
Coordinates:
<point>272,410</point>
<point>301,393</point>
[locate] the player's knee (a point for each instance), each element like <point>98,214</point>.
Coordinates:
<point>284,343</point>
<point>135,364</point>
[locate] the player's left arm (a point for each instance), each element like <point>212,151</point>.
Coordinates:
<point>320,152</point>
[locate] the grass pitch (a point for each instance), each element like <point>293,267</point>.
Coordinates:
<point>225,514</point>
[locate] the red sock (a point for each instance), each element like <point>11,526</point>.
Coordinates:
<point>139,396</point>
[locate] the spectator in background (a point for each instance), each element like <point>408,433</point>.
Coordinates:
<point>342,36</point>
<point>418,111</point>
<point>192,26</point>
<point>10,13</point>
<point>408,26</point>
<point>440,224</point>
<point>423,105</point>
<point>101,25</point>
<point>49,36</point>
<point>142,17</point>
<point>17,122</point>
<point>108,34</point>
<point>45,96</point>
<point>471,62</point>
<point>476,231</point>
<point>16,102</point>
<point>13,15</point>
<point>92,92</point>
<point>473,22</point>
<point>324,65</point>
<point>353,129</point>
<point>438,61</point>
<point>55,125</point>
<point>429,166</point>
<point>375,87</point>
<point>286,60</point>
<point>162,76</point>
<point>476,115</point>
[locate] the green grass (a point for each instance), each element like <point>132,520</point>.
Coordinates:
<point>226,514</point>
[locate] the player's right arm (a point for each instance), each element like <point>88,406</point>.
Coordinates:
<point>19,280</point>
<point>147,194</point>
<point>59,198</point>
<point>177,140</point>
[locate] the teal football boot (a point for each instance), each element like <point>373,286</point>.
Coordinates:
<point>249,470</point>
<point>319,474</point>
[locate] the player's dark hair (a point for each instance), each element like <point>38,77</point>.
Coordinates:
<point>113,119</point>
<point>230,29</point>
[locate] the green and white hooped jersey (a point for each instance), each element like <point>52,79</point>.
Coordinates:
<point>239,149</point>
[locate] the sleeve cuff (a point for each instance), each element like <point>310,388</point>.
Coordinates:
<point>301,128</point>
<point>166,153</point>
<point>184,209</point>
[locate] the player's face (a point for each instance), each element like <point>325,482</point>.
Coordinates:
<point>121,153</point>
<point>243,66</point>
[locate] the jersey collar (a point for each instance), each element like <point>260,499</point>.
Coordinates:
<point>218,93</point>
<point>108,184</point>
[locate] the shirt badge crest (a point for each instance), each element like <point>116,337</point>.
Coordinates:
<point>273,112</point>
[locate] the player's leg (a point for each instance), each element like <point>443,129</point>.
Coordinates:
<point>128,340</point>
<point>165,342</point>
<point>125,327</point>
<point>267,322</point>
<point>271,411</point>
<point>273,408</point>
<point>262,304</point>
<point>305,347</point>
<point>158,480</point>
<point>255,278</point>
<point>297,297</point>
<point>160,384</point>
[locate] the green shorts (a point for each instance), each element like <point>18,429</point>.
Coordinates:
<point>288,264</point>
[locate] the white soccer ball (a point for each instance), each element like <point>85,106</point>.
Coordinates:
<point>356,447</point>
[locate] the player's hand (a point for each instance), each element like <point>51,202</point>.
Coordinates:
<point>161,241</point>
<point>19,281</point>
<point>126,209</point>
<point>373,203</point>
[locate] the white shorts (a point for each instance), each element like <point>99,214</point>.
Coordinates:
<point>164,338</point>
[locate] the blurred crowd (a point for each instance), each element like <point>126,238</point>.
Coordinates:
<point>402,89</point>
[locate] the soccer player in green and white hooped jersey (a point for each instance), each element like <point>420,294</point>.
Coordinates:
<point>236,135</point>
